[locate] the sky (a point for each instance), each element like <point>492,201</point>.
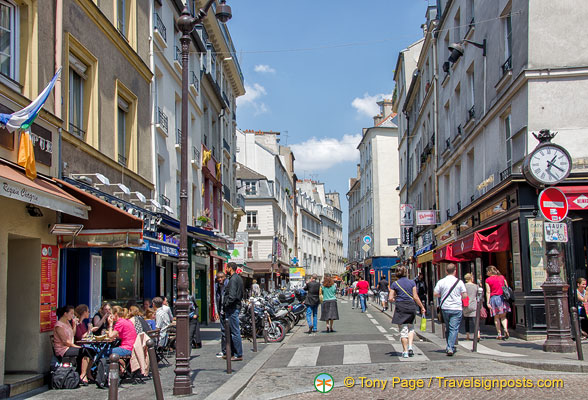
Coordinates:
<point>314,70</point>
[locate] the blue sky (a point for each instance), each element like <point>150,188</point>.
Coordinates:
<point>314,70</point>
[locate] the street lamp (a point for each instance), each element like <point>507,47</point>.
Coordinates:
<point>186,24</point>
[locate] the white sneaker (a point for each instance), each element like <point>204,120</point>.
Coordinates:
<point>405,354</point>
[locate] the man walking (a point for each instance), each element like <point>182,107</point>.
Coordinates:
<point>384,289</point>
<point>232,307</point>
<point>421,287</point>
<point>354,294</point>
<point>312,301</point>
<point>451,290</point>
<point>219,293</point>
<point>362,288</point>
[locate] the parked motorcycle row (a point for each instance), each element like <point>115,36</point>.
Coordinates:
<point>277,312</point>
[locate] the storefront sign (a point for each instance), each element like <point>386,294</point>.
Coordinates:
<point>237,252</point>
<point>556,232</point>
<point>426,217</point>
<point>49,264</point>
<point>42,144</point>
<point>297,273</point>
<point>537,253</point>
<point>407,236</point>
<point>406,214</point>
<point>157,247</point>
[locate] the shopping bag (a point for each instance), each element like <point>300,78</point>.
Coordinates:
<point>423,323</point>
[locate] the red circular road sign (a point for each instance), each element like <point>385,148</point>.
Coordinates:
<point>372,271</point>
<point>553,204</point>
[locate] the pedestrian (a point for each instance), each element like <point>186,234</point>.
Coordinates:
<point>403,292</point>
<point>255,289</point>
<point>162,320</point>
<point>469,312</point>
<point>329,311</point>
<point>384,289</point>
<point>362,289</point>
<point>312,301</point>
<point>232,306</point>
<point>451,290</point>
<point>582,300</point>
<point>496,304</point>
<point>194,316</point>
<point>354,293</point>
<point>219,292</point>
<point>421,286</point>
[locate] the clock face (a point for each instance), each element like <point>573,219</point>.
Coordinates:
<point>549,164</point>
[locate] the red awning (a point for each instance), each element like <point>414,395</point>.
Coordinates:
<point>577,196</point>
<point>445,254</point>
<point>493,239</point>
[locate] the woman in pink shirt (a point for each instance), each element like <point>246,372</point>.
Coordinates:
<point>496,304</point>
<point>63,341</point>
<point>119,327</point>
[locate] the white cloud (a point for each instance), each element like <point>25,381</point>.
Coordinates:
<point>264,69</point>
<point>251,98</point>
<point>321,154</point>
<point>366,105</point>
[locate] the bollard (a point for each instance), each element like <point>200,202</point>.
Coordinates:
<point>433,316</point>
<point>265,329</point>
<point>113,377</point>
<point>253,328</point>
<point>154,369</point>
<point>477,323</point>
<point>577,333</point>
<point>228,344</point>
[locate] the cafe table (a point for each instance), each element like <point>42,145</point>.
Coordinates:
<point>100,347</point>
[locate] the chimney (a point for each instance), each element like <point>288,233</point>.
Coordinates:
<point>358,172</point>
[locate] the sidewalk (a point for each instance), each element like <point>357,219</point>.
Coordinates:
<point>208,373</point>
<point>513,351</point>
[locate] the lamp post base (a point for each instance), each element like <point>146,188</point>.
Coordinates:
<point>559,337</point>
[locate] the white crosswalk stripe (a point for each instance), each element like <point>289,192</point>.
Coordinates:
<point>381,329</point>
<point>356,354</point>
<point>305,357</point>
<point>418,354</point>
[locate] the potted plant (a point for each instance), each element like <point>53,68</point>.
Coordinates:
<point>204,220</point>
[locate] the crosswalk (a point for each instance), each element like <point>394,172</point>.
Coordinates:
<point>344,354</point>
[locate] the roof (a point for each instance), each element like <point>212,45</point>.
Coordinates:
<point>388,121</point>
<point>247,173</point>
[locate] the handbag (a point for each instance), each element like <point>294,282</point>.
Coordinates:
<point>465,302</point>
<point>507,293</point>
<point>423,323</point>
<point>483,312</point>
<point>65,377</point>
<point>439,312</point>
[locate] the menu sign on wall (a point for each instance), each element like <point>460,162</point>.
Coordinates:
<point>48,287</point>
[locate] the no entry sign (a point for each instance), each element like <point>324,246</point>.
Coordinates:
<point>372,271</point>
<point>553,204</point>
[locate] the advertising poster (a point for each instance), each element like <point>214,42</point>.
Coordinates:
<point>537,253</point>
<point>49,271</point>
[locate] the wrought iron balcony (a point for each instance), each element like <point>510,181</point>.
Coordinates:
<point>507,66</point>
<point>195,154</point>
<point>193,80</point>
<point>178,137</point>
<point>122,160</point>
<point>226,146</point>
<point>77,132</point>
<point>160,27</point>
<point>162,119</point>
<point>240,201</point>
<point>164,200</point>
<point>227,193</point>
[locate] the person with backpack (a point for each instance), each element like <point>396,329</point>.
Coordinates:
<point>451,290</point>
<point>496,304</point>
<point>63,342</point>
<point>403,292</point>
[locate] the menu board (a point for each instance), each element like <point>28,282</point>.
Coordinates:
<point>49,271</point>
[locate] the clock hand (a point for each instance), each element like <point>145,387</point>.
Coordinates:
<point>551,164</point>
<point>550,174</point>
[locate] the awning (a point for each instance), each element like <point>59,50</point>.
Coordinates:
<point>425,257</point>
<point>107,225</point>
<point>42,192</point>
<point>493,239</point>
<point>260,267</point>
<point>577,196</point>
<point>445,254</point>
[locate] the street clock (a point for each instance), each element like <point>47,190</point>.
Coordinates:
<point>548,164</point>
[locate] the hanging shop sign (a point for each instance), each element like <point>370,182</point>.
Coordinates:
<point>426,217</point>
<point>407,236</point>
<point>406,214</point>
<point>158,247</point>
<point>48,310</point>
<point>237,252</point>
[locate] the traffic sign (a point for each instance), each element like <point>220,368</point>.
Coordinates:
<point>372,271</point>
<point>556,232</point>
<point>366,248</point>
<point>367,239</point>
<point>553,204</point>
<point>294,260</point>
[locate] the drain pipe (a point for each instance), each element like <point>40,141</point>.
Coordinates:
<point>57,89</point>
<point>153,105</point>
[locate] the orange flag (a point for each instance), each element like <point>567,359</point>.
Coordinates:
<point>26,155</point>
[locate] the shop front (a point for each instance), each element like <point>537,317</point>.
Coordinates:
<point>383,267</point>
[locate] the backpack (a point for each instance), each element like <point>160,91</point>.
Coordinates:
<point>102,373</point>
<point>65,377</point>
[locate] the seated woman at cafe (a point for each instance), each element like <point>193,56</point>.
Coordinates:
<point>100,319</point>
<point>150,318</point>
<point>63,341</point>
<point>119,327</point>
<point>136,317</point>
<point>82,313</point>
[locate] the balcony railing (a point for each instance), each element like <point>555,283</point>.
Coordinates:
<point>226,146</point>
<point>160,27</point>
<point>178,55</point>
<point>178,137</point>
<point>195,154</point>
<point>507,66</point>
<point>122,160</point>
<point>472,113</point>
<point>164,200</point>
<point>227,193</point>
<point>447,144</point>
<point>193,80</point>
<point>162,119</point>
<point>252,226</point>
<point>240,201</point>
<point>506,173</point>
<point>77,132</point>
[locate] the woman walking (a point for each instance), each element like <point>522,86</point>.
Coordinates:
<point>329,311</point>
<point>404,293</point>
<point>496,304</point>
<point>469,312</point>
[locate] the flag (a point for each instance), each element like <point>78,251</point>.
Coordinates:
<point>23,120</point>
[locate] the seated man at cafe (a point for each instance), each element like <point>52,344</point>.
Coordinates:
<point>162,319</point>
<point>119,327</point>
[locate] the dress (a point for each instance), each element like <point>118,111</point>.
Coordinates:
<point>405,310</point>
<point>497,303</point>
<point>329,306</point>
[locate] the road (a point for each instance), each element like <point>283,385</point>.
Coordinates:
<point>367,345</point>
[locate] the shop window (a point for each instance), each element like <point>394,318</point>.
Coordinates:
<point>122,277</point>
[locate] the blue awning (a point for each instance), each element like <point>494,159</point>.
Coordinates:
<point>424,249</point>
<point>383,263</point>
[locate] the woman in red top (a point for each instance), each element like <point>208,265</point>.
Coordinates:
<point>119,327</point>
<point>363,287</point>
<point>495,302</point>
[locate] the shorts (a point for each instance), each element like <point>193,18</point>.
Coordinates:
<point>405,329</point>
<point>384,297</point>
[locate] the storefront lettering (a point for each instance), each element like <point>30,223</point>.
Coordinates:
<point>20,193</point>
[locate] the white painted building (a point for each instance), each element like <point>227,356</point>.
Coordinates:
<point>310,253</point>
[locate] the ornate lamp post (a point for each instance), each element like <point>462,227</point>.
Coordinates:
<point>186,24</point>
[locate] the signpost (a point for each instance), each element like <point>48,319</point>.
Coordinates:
<point>553,204</point>
<point>367,239</point>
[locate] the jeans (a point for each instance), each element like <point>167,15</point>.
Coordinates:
<point>354,302</point>
<point>311,316</point>
<point>222,318</point>
<point>362,301</point>
<point>452,320</point>
<point>195,332</point>
<point>121,352</point>
<point>236,345</point>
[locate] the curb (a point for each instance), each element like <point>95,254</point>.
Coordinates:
<point>235,385</point>
<point>560,366</point>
